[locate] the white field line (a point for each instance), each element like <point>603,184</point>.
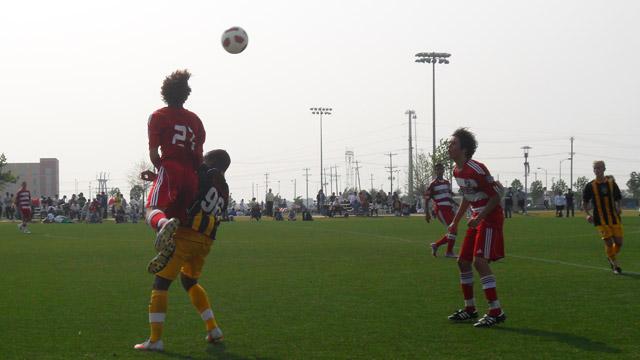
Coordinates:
<point>548,261</point>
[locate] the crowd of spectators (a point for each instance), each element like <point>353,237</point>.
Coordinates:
<point>76,208</point>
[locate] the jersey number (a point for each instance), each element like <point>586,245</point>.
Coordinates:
<point>213,202</point>
<point>180,137</point>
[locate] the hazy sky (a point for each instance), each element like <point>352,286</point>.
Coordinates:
<point>81,77</point>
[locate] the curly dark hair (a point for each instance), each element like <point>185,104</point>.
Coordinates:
<point>467,141</point>
<point>175,88</point>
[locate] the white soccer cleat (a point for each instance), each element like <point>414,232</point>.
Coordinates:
<point>165,236</point>
<point>26,231</point>
<point>214,336</point>
<point>150,346</point>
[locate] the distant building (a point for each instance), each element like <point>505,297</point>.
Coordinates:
<point>43,178</point>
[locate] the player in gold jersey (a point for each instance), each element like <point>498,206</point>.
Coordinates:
<point>602,196</point>
<point>192,245</point>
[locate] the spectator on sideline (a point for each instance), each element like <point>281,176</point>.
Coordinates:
<point>570,206</point>
<point>559,201</point>
<point>269,198</point>
<point>508,203</point>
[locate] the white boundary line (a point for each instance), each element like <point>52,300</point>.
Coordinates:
<point>548,261</point>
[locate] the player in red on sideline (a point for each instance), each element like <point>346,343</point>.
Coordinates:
<point>23,202</point>
<point>483,241</point>
<point>180,135</point>
<point>443,206</point>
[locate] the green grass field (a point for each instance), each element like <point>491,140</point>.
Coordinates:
<point>334,289</point>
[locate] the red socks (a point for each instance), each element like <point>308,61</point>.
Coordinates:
<point>156,219</point>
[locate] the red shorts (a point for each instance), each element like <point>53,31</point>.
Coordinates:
<point>445,214</point>
<point>485,240</point>
<point>174,190</point>
<point>26,214</point>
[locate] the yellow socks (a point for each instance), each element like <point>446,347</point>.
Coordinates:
<point>157,313</point>
<point>200,300</point>
<point>611,251</point>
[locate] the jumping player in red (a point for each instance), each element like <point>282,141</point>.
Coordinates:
<point>180,135</point>
<point>483,241</point>
<point>23,202</point>
<point>440,191</point>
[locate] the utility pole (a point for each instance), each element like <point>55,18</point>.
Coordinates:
<point>412,115</point>
<point>331,178</point>
<point>306,176</point>
<point>253,194</point>
<point>266,182</point>
<point>391,167</point>
<point>336,177</point>
<point>526,174</point>
<point>357,168</point>
<point>371,178</point>
<point>571,176</point>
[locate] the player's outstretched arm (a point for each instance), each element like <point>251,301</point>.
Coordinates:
<point>453,227</point>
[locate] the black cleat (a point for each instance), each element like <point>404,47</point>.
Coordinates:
<point>617,270</point>
<point>489,321</point>
<point>462,315</point>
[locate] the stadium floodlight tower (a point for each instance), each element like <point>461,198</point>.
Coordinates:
<point>412,116</point>
<point>433,58</point>
<point>321,111</point>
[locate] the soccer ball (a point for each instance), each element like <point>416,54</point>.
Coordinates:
<point>235,40</point>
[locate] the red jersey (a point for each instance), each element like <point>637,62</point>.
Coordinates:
<point>23,199</point>
<point>477,186</point>
<point>440,192</point>
<point>179,133</point>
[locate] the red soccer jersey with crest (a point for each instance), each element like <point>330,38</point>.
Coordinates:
<point>23,199</point>
<point>440,192</point>
<point>179,133</point>
<point>477,186</point>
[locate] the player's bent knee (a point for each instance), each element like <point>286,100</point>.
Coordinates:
<point>187,282</point>
<point>160,283</point>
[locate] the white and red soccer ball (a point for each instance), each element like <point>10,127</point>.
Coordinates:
<point>235,40</point>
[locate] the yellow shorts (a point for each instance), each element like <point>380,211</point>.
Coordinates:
<point>191,249</point>
<point>609,231</point>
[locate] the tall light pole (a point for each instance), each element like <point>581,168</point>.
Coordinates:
<point>526,174</point>
<point>294,181</point>
<point>545,178</point>
<point>412,115</point>
<point>433,58</point>
<point>571,173</point>
<point>321,111</point>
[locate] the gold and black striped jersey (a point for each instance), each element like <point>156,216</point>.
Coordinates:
<point>603,196</point>
<point>211,203</point>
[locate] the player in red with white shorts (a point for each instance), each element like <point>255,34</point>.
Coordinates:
<point>483,241</point>
<point>180,135</point>
<point>23,202</point>
<point>440,191</point>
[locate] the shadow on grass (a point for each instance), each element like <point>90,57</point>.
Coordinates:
<point>219,351</point>
<point>631,275</point>
<point>579,342</point>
